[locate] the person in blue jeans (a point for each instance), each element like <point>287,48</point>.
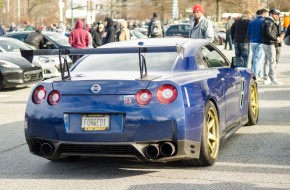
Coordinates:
<point>255,35</point>
<point>239,36</point>
<point>270,36</point>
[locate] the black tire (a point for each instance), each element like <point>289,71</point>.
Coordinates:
<point>210,139</point>
<point>253,104</point>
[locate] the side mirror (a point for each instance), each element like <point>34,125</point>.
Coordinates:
<point>237,62</point>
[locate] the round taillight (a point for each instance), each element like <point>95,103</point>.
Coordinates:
<point>166,94</point>
<point>39,94</point>
<point>53,97</point>
<point>143,97</point>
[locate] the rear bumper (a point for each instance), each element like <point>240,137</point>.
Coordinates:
<point>182,149</point>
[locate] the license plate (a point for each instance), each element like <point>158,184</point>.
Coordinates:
<point>96,122</point>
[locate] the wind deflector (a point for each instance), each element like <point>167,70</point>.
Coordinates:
<point>28,54</point>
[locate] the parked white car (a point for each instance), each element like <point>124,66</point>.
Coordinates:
<point>49,64</point>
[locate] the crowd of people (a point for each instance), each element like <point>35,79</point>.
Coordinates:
<point>261,33</point>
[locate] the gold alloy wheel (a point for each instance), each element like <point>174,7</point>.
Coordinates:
<point>254,100</point>
<point>213,132</point>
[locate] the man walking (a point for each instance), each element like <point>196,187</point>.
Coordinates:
<point>228,33</point>
<point>239,36</point>
<point>155,28</point>
<point>79,38</point>
<point>270,36</point>
<point>255,35</point>
<point>201,27</point>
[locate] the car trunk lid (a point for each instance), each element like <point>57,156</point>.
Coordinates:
<point>101,83</point>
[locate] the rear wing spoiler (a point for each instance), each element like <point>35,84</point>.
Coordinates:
<point>62,53</point>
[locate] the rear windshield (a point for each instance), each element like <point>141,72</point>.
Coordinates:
<point>127,62</point>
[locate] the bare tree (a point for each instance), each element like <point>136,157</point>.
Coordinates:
<point>282,5</point>
<point>43,12</point>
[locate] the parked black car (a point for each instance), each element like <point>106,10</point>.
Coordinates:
<point>178,30</point>
<point>52,40</point>
<point>16,71</point>
<point>183,29</point>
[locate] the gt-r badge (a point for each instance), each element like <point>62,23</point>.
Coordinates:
<point>128,100</point>
<point>96,88</point>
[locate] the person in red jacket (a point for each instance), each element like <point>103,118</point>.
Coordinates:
<point>79,38</point>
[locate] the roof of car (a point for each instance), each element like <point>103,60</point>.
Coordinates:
<point>26,32</point>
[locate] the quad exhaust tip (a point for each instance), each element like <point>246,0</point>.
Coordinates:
<point>44,149</point>
<point>154,151</point>
<point>167,149</point>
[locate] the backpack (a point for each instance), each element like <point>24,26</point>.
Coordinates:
<point>156,28</point>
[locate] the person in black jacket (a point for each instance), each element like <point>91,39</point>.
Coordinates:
<point>98,36</point>
<point>35,39</point>
<point>239,36</point>
<point>155,27</point>
<point>110,33</point>
<point>271,36</point>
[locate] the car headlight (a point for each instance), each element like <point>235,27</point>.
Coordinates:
<point>8,64</point>
<point>45,59</point>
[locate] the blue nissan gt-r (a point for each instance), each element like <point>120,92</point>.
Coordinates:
<point>156,100</point>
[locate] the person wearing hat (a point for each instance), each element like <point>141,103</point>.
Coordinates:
<point>201,27</point>
<point>270,36</point>
<point>239,36</point>
<point>28,27</point>
<point>255,35</point>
